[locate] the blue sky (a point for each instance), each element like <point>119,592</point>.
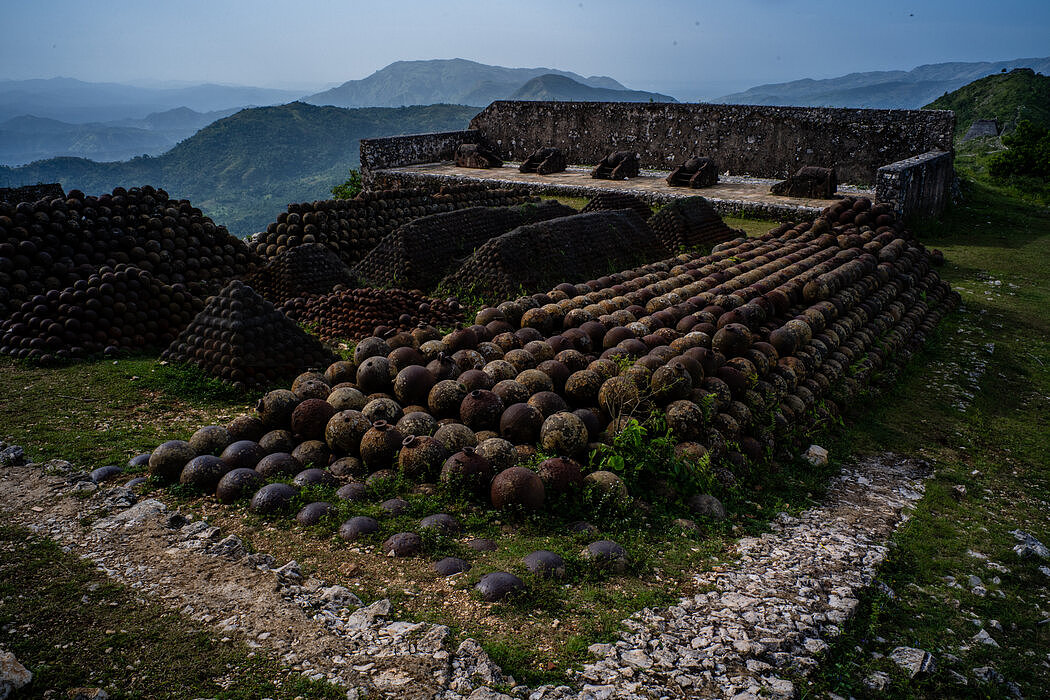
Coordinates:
<point>689,49</point>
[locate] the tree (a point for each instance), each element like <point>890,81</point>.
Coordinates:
<point>1028,154</point>
<point>350,188</point>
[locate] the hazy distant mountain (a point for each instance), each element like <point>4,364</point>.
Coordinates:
<point>27,138</point>
<point>244,169</point>
<point>558,88</point>
<point>452,81</point>
<point>880,89</point>
<point>1007,98</point>
<point>79,102</point>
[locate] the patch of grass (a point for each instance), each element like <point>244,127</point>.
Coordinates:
<point>72,627</point>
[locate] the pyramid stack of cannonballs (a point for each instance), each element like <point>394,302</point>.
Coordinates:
<point>611,200</point>
<point>358,313</point>
<point>537,255</point>
<point>240,338</point>
<point>304,270</point>
<point>690,222</point>
<point>113,310</point>
<point>51,245</point>
<point>743,351</point>
<point>352,227</point>
<point>420,253</point>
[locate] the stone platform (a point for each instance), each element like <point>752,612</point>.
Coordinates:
<point>731,196</point>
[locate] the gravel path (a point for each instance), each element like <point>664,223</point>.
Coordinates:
<point>769,614</point>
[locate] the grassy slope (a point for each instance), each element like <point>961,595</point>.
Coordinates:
<point>1008,97</point>
<point>244,169</point>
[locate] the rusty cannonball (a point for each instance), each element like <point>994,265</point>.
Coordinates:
<point>481,410</point>
<point>417,423</point>
<point>346,398</point>
<point>168,459</point>
<point>618,396</point>
<point>374,375</point>
<point>535,381</point>
<point>582,387</point>
<point>273,498</point>
<point>380,445</point>
<point>475,379</point>
<point>246,428</point>
<point>277,441</point>
<point>421,457</point>
<point>561,475</point>
<point>499,452</point>
<point>520,423</point>
<point>548,403</point>
<point>310,418</point>
<point>412,384</point>
<point>203,472</point>
<point>511,391</point>
<point>242,454</point>
<point>467,470</point>
<point>517,486</point>
<point>445,398</point>
<point>382,408</point>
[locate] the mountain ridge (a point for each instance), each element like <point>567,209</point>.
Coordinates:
<point>1008,98</point>
<point>558,88</point>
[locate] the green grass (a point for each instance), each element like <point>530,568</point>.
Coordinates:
<point>997,348</point>
<point>72,627</point>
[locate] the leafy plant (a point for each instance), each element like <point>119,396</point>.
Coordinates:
<point>350,188</point>
<point>1028,153</point>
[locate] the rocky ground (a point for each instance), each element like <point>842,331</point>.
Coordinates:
<point>765,618</point>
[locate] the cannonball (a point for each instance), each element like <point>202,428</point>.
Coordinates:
<point>277,441</point>
<point>315,477</point>
<point>242,454</point>
<point>246,428</point>
<point>607,484</point>
<point>384,409</point>
<point>564,434</point>
<point>374,375</point>
<point>466,470</point>
<point>706,505</point>
<point>395,506</point>
<point>380,445</point>
<point>210,440</point>
<point>441,522</point>
<point>455,436</point>
<point>203,472</point>
<point>167,461</point>
<point>481,544</point>
<point>139,460</point>
<point>618,396</point>
<point>498,585</point>
<point>313,452</point>
<point>272,498</point>
<point>445,398</point>
<point>236,484</point>
<point>346,466</point>
<point>606,555</point>
<point>347,399</point>
<point>278,464</point>
<point>275,408</point>
<point>417,423</point>
<point>354,491</point>
<point>412,384</point>
<point>499,452</point>
<point>313,513</point>
<point>310,418</point>
<point>421,457</point>
<point>357,527</point>
<point>561,475</point>
<point>520,423</point>
<point>450,566</point>
<point>481,410</point>
<point>344,431</point>
<point>544,564</point>
<point>685,420</point>
<point>403,544</point>
<point>548,403</point>
<point>511,391</point>
<point>517,486</point>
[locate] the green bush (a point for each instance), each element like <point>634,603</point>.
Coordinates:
<point>350,188</point>
<point>1028,154</point>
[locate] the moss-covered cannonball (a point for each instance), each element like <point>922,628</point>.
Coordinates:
<point>246,428</point>
<point>313,389</point>
<point>203,472</point>
<point>455,436</point>
<point>237,484</point>
<point>313,452</point>
<point>370,347</point>
<point>344,431</point>
<point>421,457</point>
<point>498,370</point>
<point>607,484</point>
<point>277,441</point>
<point>475,379</point>
<point>354,491</point>
<point>273,498</point>
<point>561,475</point>
<point>511,391</point>
<point>310,418</point>
<point>167,461</point>
<point>277,465</point>
<point>685,420</point>
<point>417,423</point>
<point>445,398</point>
<point>618,396</point>
<point>347,466</point>
<point>275,408</point>
<point>304,377</point>
<point>564,434</point>
<point>581,388</point>
<point>499,452</point>
<point>535,381</point>
<point>347,398</point>
<point>671,382</point>
<point>383,408</point>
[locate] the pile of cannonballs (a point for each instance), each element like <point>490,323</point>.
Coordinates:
<point>743,351</point>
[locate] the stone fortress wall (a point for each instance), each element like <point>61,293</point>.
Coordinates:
<point>760,141</point>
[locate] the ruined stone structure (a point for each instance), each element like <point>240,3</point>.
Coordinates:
<point>751,140</point>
